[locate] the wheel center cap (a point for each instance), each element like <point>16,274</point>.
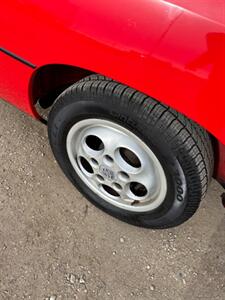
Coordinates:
<point>107,173</point>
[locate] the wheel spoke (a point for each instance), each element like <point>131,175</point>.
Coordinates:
<point>147,178</point>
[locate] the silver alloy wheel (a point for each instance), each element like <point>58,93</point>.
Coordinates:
<point>116,165</point>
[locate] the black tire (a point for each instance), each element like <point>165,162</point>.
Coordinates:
<point>182,147</point>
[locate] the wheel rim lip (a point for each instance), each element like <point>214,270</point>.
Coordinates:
<point>76,133</point>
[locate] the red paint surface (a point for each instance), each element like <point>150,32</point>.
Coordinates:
<point>14,81</point>
<point>171,50</point>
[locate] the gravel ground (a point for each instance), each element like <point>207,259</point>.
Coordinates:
<point>55,245</point>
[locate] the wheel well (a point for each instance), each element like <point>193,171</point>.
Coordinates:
<point>50,80</point>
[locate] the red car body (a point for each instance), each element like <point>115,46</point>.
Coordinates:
<point>173,51</point>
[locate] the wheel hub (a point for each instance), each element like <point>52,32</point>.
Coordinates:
<point>107,173</point>
<point>116,165</point>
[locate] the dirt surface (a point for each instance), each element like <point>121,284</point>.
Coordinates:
<point>55,245</point>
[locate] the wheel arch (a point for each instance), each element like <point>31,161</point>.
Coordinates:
<point>50,80</point>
